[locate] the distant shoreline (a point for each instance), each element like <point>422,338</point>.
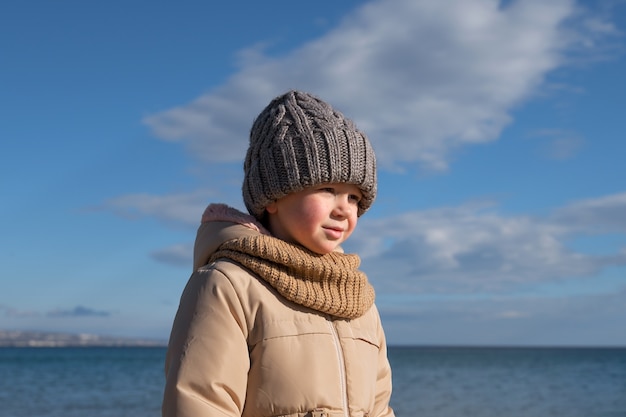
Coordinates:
<point>50,339</point>
<point>16,338</point>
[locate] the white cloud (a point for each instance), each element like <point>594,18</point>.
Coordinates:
<point>78,311</point>
<point>182,208</point>
<point>467,249</point>
<point>179,255</point>
<point>473,248</point>
<point>420,77</point>
<point>560,144</point>
<point>574,320</point>
<point>11,312</point>
<point>605,214</point>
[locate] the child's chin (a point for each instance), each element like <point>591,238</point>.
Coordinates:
<point>324,250</point>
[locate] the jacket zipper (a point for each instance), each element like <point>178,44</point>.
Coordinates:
<point>342,367</point>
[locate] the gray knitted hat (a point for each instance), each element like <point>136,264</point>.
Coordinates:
<point>299,141</point>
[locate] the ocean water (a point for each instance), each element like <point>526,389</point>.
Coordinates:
<point>87,382</point>
<point>509,382</point>
<point>432,382</point>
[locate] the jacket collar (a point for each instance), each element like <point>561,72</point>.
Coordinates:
<point>221,223</point>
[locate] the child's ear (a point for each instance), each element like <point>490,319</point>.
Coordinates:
<point>271,208</point>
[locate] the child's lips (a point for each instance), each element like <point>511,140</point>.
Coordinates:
<point>334,232</point>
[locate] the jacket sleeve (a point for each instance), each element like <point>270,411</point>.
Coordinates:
<point>207,360</point>
<point>384,382</point>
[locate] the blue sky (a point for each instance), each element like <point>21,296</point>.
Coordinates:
<point>498,126</point>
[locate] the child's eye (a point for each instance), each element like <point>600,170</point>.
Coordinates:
<point>355,198</point>
<point>330,190</point>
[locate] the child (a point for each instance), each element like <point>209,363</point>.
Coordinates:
<point>276,320</point>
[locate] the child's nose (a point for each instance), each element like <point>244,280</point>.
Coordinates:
<point>342,205</point>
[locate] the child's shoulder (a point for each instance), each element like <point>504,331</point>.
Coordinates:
<point>226,272</point>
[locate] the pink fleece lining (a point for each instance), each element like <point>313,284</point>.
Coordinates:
<point>225,213</point>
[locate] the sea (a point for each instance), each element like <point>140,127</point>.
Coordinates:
<point>427,381</point>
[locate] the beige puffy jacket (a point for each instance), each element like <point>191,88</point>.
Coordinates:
<point>238,348</point>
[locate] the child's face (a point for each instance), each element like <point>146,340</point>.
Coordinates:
<point>319,218</point>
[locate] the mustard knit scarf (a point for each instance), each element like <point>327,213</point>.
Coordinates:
<point>328,283</point>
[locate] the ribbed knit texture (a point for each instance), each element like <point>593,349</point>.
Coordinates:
<point>329,283</point>
<point>299,141</point>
